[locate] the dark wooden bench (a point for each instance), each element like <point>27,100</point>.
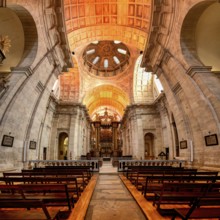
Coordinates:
<point>138,178</point>
<point>50,194</point>
<point>128,169</point>
<point>71,183</point>
<point>178,193</point>
<point>82,177</point>
<point>86,170</point>
<point>26,209</point>
<point>204,207</point>
<point>155,184</point>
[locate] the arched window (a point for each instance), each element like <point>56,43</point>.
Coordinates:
<point>96,60</point>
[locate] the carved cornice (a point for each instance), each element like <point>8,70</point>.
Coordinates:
<point>71,108</point>
<point>198,69</point>
<point>55,27</point>
<point>132,111</point>
<point>161,25</point>
<point>22,70</point>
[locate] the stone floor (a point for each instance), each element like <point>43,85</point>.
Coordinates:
<point>112,201</point>
<point>107,168</point>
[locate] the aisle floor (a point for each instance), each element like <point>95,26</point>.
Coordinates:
<point>112,201</point>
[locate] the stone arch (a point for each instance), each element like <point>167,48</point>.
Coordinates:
<point>24,37</point>
<point>106,95</point>
<point>199,35</point>
<point>149,145</point>
<point>63,146</point>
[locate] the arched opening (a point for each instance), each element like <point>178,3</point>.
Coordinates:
<point>207,37</point>
<point>200,35</point>
<point>63,146</point>
<point>149,146</point>
<point>11,39</point>
<point>18,25</point>
<point>146,86</point>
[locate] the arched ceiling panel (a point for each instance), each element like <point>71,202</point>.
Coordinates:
<point>106,95</point>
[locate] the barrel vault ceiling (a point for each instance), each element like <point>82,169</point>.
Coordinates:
<point>87,21</point>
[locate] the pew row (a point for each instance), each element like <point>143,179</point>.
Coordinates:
<point>203,207</point>
<point>49,194</point>
<point>26,209</point>
<point>71,182</point>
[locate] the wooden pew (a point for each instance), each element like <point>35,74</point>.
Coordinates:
<point>204,207</point>
<point>17,210</point>
<point>138,178</point>
<point>129,169</point>
<point>71,183</point>
<point>50,194</point>
<point>178,193</point>
<point>155,184</point>
<point>86,170</point>
<point>82,177</point>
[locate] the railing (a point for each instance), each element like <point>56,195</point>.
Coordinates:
<point>42,163</point>
<point>124,163</point>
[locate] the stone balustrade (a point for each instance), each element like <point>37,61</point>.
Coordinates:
<point>43,163</point>
<point>175,163</point>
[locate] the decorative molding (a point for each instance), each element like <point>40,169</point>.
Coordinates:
<point>55,27</point>
<point>71,108</point>
<point>22,70</point>
<point>40,87</point>
<point>176,88</point>
<point>161,25</point>
<point>193,70</point>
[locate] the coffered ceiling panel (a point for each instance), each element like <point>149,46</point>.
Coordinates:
<point>88,20</point>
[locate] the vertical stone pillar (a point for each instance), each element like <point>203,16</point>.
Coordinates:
<point>140,136</point>
<point>97,125</point>
<point>133,137</point>
<point>115,138</point>
<point>72,137</point>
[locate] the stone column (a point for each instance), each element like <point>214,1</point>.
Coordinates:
<point>115,138</point>
<point>73,137</point>
<point>133,137</point>
<point>140,138</point>
<point>97,125</point>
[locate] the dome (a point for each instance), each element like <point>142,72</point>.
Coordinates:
<point>106,58</point>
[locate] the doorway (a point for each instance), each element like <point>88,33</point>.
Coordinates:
<point>149,146</point>
<point>63,146</point>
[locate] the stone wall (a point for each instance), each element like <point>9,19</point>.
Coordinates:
<point>189,85</point>
<point>25,106</point>
<point>73,119</point>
